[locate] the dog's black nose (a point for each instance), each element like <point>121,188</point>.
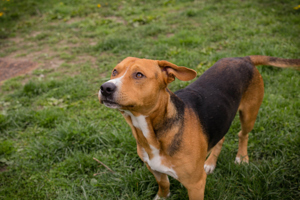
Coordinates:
<point>107,88</point>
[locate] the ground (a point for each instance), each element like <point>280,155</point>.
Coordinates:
<point>14,67</point>
<point>52,125</point>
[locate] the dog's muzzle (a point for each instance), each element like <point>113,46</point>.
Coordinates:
<point>106,94</point>
<point>107,89</point>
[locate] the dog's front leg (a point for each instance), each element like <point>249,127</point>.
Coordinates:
<point>163,184</point>
<point>161,179</point>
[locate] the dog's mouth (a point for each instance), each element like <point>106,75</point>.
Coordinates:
<point>111,104</point>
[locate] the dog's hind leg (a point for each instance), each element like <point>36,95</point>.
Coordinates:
<point>211,161</point>
<point>248,111</point>
<point>196,188</point>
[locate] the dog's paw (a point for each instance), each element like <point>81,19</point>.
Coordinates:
<point>239,160</point>
<point>161,198</point>
<point>209,168</point>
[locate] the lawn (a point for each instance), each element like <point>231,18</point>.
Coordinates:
<point>52,125</point>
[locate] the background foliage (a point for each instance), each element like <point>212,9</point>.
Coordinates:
<point>51,124</point>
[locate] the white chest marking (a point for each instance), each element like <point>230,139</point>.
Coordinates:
<point>156,162</point>
<point>140,123</point>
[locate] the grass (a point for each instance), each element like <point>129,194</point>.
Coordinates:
<point>51,124</point>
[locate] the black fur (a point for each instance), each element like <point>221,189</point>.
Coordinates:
<point>215,96</point>
<point>167,124</point>
<point>175,144</point>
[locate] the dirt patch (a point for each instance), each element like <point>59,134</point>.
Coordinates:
<point>170,35</point>
<point>31,56</point>
<point>3,169</point>
<point>16,40</point>
<point>52,64</point>
<point>14,67</point>
<point>117,19</point>
<point>35,33</point>
<point>73,20</point>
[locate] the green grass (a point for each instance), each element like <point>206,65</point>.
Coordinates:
<point>52,125</point>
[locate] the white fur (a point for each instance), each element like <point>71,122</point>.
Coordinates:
<point>156,162</point>
<point>209,168</point>
<point>118,81</point>
<point>237,160</point>
<point>140,123</point>
<point>161,198</point>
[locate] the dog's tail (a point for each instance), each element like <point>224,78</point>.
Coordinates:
<point>276,62</point>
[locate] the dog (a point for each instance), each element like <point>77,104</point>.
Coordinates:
<point>174,132</point>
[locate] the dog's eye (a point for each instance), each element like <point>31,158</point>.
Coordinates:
<point>114,73</point>
<point>139,75</point>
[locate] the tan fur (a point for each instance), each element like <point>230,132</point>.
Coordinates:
<point>274,61</point>
<point>211,161</point>
<point>153,102</point>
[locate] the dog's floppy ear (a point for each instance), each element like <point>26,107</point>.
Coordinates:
<point>171,71</point>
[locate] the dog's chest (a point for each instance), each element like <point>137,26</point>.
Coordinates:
<point>140,123</point>
<point>156,161</point>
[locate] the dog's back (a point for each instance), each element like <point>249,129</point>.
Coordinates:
<point>215,96</point>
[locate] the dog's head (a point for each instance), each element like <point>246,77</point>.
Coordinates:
<point>137,84</point>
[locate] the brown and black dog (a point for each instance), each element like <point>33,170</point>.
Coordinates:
<point>174,132</point>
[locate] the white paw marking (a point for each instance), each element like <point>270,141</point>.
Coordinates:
<point>209,168</point>
<point>161,198</point>
<point>237,160</point>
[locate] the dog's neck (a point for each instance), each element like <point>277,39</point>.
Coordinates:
<point>150,129</point>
